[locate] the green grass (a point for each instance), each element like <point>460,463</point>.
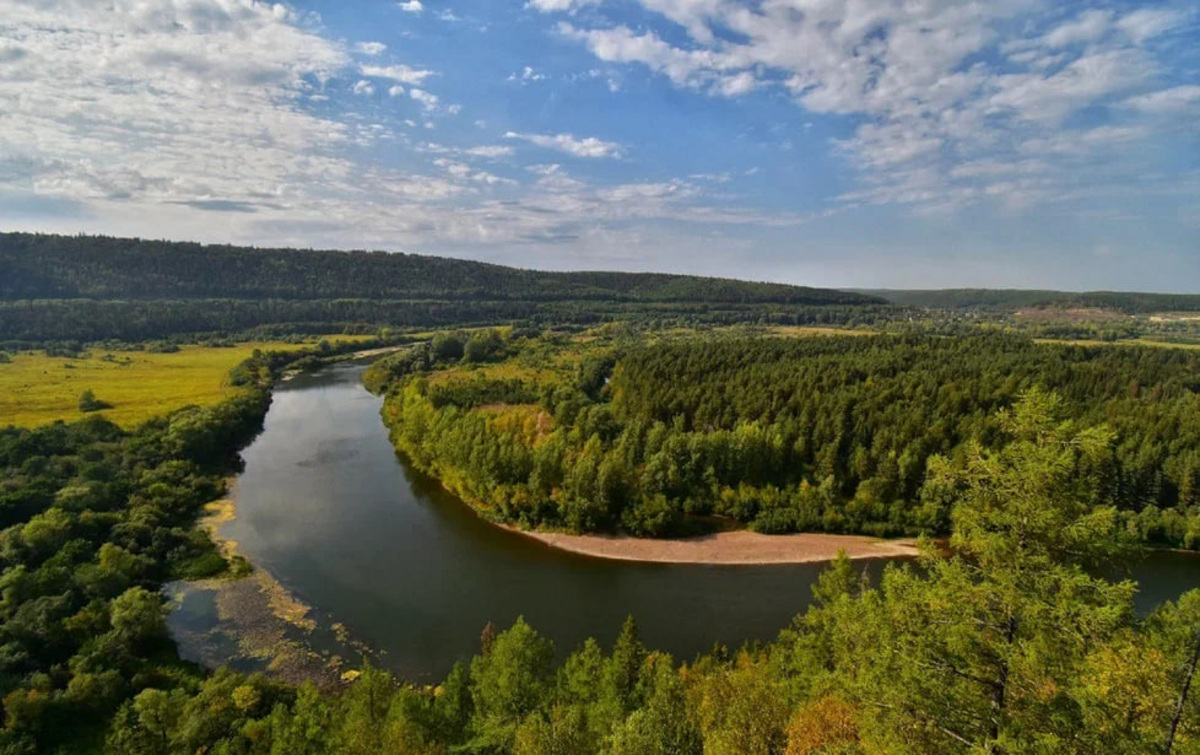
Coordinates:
<point>36,389</point>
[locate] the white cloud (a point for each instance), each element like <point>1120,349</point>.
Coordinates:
<point>588,147</point>
<point>647,191</point>
<point>402,73</point>
<point>204,107</point>
<point>1145,23</point>
<point>1170,100</point>
<point>527,75</point>
<point>717,178</point>
<point>466,172</point>
<point>738,83</point>
<point>552,6</point>
<point>693,68</point>
<point>1033,96</point>
<point>412,6</point>
<point>428,100</point>
<point>922,77</point>
<point>153,118</point>
<point>489,151</point>
<point>364,87</point>
<point>1088,27</point>
<point>486,152</point>
<point>370,48</point>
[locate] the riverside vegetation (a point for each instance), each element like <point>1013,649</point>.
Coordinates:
<point>863,434</point>
<point>1011,644</point>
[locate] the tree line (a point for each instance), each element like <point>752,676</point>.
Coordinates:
<point>33,323</point>
<point>1010,299</point>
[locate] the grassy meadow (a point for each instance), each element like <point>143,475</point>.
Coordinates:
<point>36,389</point>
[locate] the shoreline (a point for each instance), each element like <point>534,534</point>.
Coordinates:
<point>730,548</point>
<point>256,622</point>
<point>735,548</point>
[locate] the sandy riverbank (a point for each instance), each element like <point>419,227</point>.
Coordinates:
<point>378,352</point>
<point>740,547</point>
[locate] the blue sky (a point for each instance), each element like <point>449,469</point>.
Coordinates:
<point>925,143</point>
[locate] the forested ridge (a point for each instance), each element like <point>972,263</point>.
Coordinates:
<point>35,266</point>
<point>90,288</point>
<point>839,434</point>
<point>1128,302</point>
<point>51,320</point>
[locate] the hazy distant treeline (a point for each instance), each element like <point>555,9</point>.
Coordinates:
<point>87,288</point>
<point>35,266</point>
<point>1008,299</point>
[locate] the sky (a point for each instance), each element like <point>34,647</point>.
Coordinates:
<point>845,143</point>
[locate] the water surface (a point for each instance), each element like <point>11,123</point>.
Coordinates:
<point>326,506</point>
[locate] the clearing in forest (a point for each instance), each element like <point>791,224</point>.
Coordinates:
<point>37,389</point>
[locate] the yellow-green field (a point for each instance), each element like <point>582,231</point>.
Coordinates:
<point>1125,342</point>
<point>805,331</point>
<point>36,389</point>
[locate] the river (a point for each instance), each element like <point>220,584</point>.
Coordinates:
<point>325,506</point>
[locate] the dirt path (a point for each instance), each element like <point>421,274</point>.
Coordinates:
<point>741,547</point>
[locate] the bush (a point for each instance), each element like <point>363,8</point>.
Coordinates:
<point>447,347</point>
<point>89,403</point>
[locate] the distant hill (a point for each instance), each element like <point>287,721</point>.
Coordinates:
<point>92,288</point>
<point>1008,299</point>
<point>36,266</point>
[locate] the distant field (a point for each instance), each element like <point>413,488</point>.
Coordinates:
<point>36,389</point>
<point>1124,342</point>
<point>804,331</point>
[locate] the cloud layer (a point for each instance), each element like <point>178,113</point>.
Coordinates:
<point>955,107</point>
<point>250,121</point>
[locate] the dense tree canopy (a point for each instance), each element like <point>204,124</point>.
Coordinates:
<point>53,320</point>
<point>35,266</point>
<point>1008,299</point>
<point>847,434</point>
<point>1009,643</point>
<point>93,521</point>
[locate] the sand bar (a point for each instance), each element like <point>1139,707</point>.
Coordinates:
<point>738,547</point>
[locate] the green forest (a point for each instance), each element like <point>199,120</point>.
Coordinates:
<point>1034,475</point>
<point>92,288</point>
<point>57,288</point>
<point>1007,643</point>
<point>848,434</point>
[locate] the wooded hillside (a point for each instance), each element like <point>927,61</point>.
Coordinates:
<point>998,299</point>
<point>36,266</point>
